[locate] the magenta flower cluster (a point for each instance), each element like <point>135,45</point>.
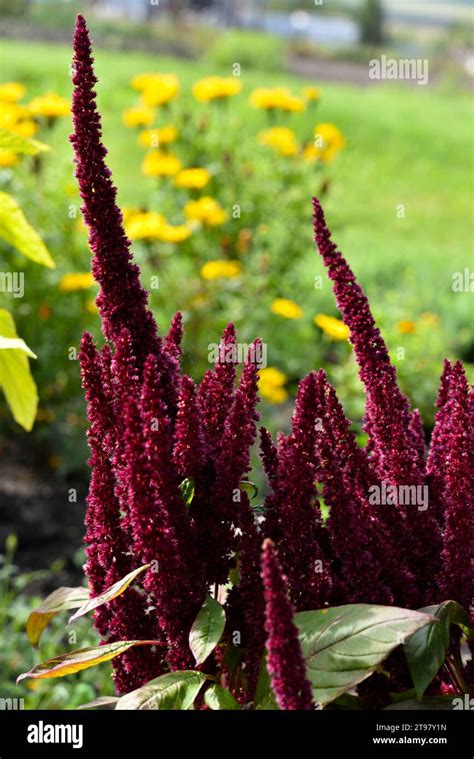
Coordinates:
<point>154,434</point>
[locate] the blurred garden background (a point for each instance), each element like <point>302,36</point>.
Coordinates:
<point>222,119</point>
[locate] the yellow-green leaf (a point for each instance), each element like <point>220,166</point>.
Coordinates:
<point>82,658</point>
<point>206,629</point>
<point>60,600</point>
<point>16,230</point>
<point>16,380</point>
<point>19,144</point>
<point>108,595</point>
<point>172,691</point>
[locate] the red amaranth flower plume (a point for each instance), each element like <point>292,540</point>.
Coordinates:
<point>292,510</point>
<point>122,301</point>
<point>396,439</point>
<point>285,659</point>
<point>457,567</point>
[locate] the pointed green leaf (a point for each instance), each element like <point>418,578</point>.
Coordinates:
<point>426,649</point>
<point>207,629</point>
<point>187,491</point>
<point>15,229</point>
<point>16,380</point>
<point>343,645</point>
<point>249,487</point>
<point>218,698</point>
<point>429,704</point>
<point>264,695</point>
<point>173,691</point>
<point>102,702</point>
<point>108,595</point>
<point>82,658</point>
<point>60,600</point>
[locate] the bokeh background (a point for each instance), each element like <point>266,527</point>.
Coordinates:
<point>222,119</point>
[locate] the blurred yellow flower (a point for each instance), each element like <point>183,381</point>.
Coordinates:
<point>157,89</point>
<point>25,128</point>
<point>158,164</point>
<point>271,385</point>
<point>328,141</point>
<point>335,328</point>
<point>51,105</point>
<point>178,233</point>
<point>11,114</point>
<point>153,138</point>
<point>311,93</point>
<point>206,210</point>
<point>141,225</point>
<point>8,158</point>
<point>287,308</point>
<point>428,319</point>
<point>406,327</point>
<point>276,97</point>
<point>76,281</point>
<point>280,138</point>
<point>10,92</point>
<point>139,115</point>
<point>216,87</point>
<point>221,270</point>
<point>192,178</point>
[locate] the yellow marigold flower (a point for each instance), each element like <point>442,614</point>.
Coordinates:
<point>287,308</point>
<point>11,114</point>
<point>10,92</point>
<point>206,210</point>
<point>139,115</point>
<point>335,328</point>
<point>25,128</point>
<point>216,87</point>
<point>157,89</point>
<point>271,385</point>
<point>221,270</point>
<point>406,327</point>
<point>51,105</point>
<point>311,93</point>
<point>142,225</point>
<point>153,138</point>
<point>192,178</point>
<point>276,97</point>
<point>178,233</point>
<point>158,164</point>
<point>328,141</point>
<point>280,138</point>
<point>142,81</point>
<point>8,158</point>
<point>76,281</point>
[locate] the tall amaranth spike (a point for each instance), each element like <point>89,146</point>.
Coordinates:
<point>122,301</point>
<point>396,442</point>
<point>457,573</point>
<point>292,510</point>
<point>285,659</point>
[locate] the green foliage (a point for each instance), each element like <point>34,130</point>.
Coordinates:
<point>252,50</point>
<point>15,229</point>
<point>15,377</point>
<point>207,629</point>
<point>175,690</point>
<point>343,645</point>
<point>426,649</point>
